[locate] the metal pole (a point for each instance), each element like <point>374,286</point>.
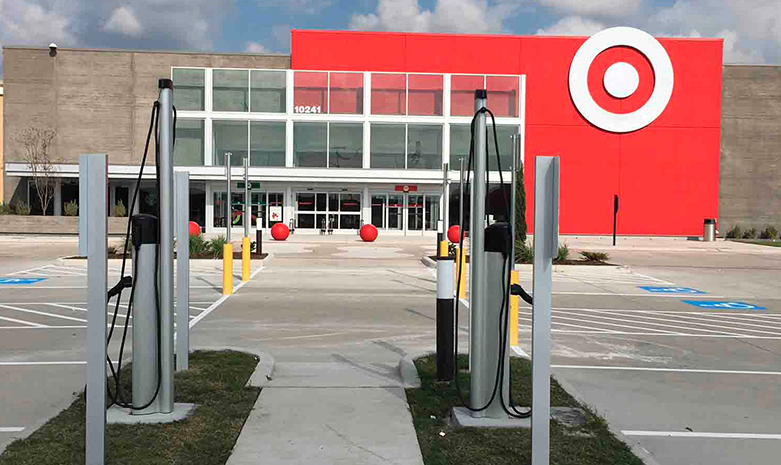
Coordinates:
<point>481,381</point>
<point>166,268</point>
<point>247,218</point>
<point>145,316</point>
<point>445,322</point>
<point>446,199</point>
<point>182,185</point>
<point>461,196</point>
<point>228,203</point>
<point>546,241</point>
<point>84,205</point>
<point>94,178</point>
<point>615,217</point>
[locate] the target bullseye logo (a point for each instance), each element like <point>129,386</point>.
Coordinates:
<point>621,79</point>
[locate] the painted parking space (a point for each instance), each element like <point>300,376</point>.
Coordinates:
<point>670,290</point>
<point>20,281</point>
<point>723,305</point>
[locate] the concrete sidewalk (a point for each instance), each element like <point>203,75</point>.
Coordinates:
<point>329,413</point>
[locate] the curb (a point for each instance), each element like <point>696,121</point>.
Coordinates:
<point>635,446</point>
<point>428,262</point>
<point>408,371</point>
<point>263,369</point>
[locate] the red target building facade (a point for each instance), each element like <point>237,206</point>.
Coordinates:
<point>628,115</point>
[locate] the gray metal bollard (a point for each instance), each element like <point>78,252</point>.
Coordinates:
<point>146,318</point>
<point>709,230</point>
<point>258,241</point>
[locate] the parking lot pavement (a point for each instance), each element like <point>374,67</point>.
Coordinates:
<point>43,323</point>
<point>690,384</point>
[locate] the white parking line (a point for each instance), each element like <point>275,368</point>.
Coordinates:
<point>649,294</point>
<point>17,364</point>
<point>14,320</point>
<point>603,331</point>
<point>36,312</point>
<point>694,434</point>
<point>666,370</point>
<point>734,321</point>
<point>611,324</point>
<point>222,299</point>
<point>11,429</point>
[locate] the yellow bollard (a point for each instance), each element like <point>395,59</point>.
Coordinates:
<point>227,269</point>
<point>514,301</point>
<point>443,251</point>
<point>461,272</point>
<point>245,246</point>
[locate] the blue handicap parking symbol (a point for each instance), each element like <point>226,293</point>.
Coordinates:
<point>20,280</point>
<point>723,305</point>
<point>671,290</point>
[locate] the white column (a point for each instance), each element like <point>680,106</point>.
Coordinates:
<point>367,102</point>
<point>209,208</point>
<point>288,207</point>
<point>58,197</point>
<point>366,206</point>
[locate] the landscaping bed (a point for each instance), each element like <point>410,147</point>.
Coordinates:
<point>430,405</point>
<point>765,242</point>
<point>215,382</point>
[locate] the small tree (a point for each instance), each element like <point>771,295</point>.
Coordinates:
<point>37,143</point>
<point>520,206</point>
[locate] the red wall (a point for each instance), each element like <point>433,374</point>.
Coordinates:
<point>666,174</point>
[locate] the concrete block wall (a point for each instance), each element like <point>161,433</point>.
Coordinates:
<point>750,167</point>
<point>58,225</point>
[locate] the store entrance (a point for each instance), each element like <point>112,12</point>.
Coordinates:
<point>328,210</point>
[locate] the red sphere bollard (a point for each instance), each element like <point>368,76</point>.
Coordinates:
<point>369,233</point>
<point>280,232</point>
<point>194,229</point>
<point>453,233</point>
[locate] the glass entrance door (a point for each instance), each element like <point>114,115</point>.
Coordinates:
<point>396,211</point>
<point>327,211</point>
<point>414,212</point>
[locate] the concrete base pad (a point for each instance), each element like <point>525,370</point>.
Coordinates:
<point>566,415</point>
<point>118,415</point>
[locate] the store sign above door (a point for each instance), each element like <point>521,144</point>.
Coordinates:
<point>252,185</point>
<point>404,188</point>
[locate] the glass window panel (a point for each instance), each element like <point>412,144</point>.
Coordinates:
<point>306,221</point>
<point>432,212</point>
<point>333,202</point>
<point>188,149</point>
<point>395,211</point>
<point>309,145</point>
<point>378,210</point>
<point>275,210</point>
<point>230,89</point>
<point>189,89</point>
<point>459,144</point>
<point>267,143</point>
<point>425,94</point>
<point>387,146</point>
<point>258,208</point>
<point>350,222</point>
<point>505,147</point>
<point>350,202</point>
<point>219,209</point>
<point>346,93</point>
<point>462,94</point>
<point>320,202</point>
<point>415,212</point>
<point>389,94</point>
<point>321,221</point>
<point>229,136</point>
<point>333,221</point>
<point>503,95</point>
<point>267,93</point>
<point>237,209</point>
<point>311,92</point>
<point>306,202</point>
<point>346,142</point>
<point>424,146</point>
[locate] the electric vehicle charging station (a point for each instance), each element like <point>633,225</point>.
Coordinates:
<point>491,261</point>
<point>151,296</point>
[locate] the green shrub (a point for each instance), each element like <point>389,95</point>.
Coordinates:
<point>71,208</point>
<point>595,256</point>
<point>22,208</point>
<point>120,210</point>
<point>769,233</point>
<point>523,252</point>
<point>735,232</point>
<point>562,255</point>
<point>216,244</point>
<point>198,246</point>
<point>750,234</point>
<point>520,205</point>
<point>5,209</point>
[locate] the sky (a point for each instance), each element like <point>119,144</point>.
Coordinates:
<point>751,29</point>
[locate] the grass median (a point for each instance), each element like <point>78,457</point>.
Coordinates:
<point>588,444</point>
<point>215,382</point>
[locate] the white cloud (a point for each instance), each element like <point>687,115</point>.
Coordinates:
<point>464,16</point>
<point>572,26</point>
<point>255,47</point>
<point>124,21</point>
<point>28,22</point>
<point>594,7</point>
<point>310,7</point>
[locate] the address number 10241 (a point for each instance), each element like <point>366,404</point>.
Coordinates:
<point>307,109</point>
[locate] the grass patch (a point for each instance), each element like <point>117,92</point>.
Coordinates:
<point>768,243</point>
<point>590,444</point>
<point>215,382</point>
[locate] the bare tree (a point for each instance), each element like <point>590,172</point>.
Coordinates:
<point>37,143</point>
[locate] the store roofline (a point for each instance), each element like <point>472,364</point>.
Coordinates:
<point>122,50</point>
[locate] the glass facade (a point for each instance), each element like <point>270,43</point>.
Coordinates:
<point>345,147</point>
<point>267,91</point>
<point>188,147</point>
<point>389,94</point>
<point>346,93</point>
<point>424,146</point>
<point>425,94</point>
<point>310,145</point>
<point>267,143</point>
<point>230,90</point>
<point>328,210</point>
<point>229,137</point>
<point>460,135</point>
<point>189,89</point>
<point>387,146</point>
